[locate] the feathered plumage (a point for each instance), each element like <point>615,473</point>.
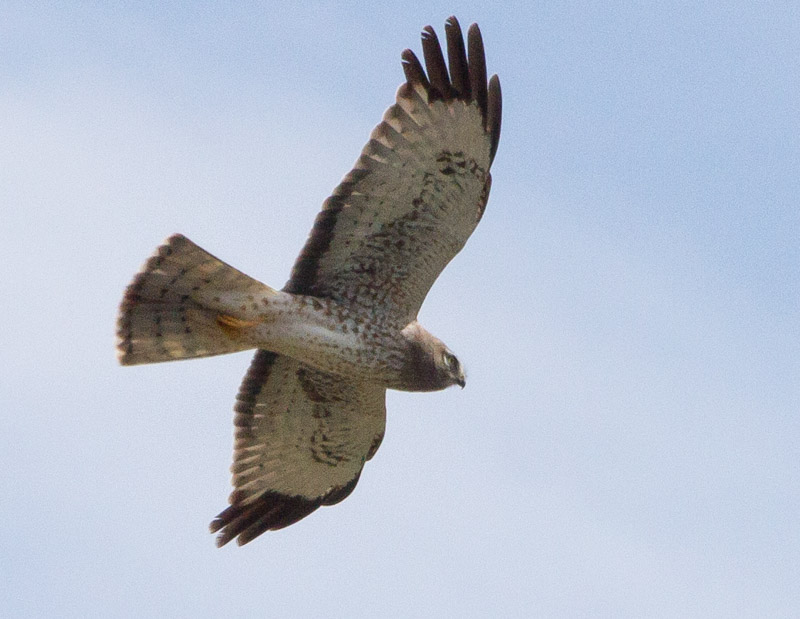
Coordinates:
<point>311,409</point>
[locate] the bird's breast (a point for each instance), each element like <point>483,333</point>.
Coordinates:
<point>329,336</point>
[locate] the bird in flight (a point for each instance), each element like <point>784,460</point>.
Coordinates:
<point>311,409</point>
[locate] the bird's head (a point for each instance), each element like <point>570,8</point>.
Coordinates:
<point>429,364</point>
<point>452,368</point>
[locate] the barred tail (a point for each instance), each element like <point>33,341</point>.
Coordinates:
<point>180,306</point>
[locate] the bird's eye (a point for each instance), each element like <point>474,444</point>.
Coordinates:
<point>450,361</point>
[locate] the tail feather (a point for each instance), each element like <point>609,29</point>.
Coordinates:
<point>179,306</point>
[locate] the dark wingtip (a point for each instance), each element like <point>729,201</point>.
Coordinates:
<point>477,66</point>
<point>436,65</point>
<point>457,57</point>
<point>413,70</point>
<point>494,114</point>
<point>466,79</point>
<point>270,511</point>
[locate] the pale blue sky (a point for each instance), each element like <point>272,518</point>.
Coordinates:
<point>628,311</point>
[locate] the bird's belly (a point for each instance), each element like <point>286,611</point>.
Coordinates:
<point>330,337</point>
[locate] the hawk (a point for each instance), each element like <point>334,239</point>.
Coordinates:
<point>311,409</point>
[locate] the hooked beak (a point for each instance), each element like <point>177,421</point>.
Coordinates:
<point>461,381</point>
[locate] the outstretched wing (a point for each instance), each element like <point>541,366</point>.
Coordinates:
<point>416,192</point>
<point>301,440</point>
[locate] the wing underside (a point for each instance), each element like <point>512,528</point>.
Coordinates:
<point>418,189</point>
<point>301,440</point>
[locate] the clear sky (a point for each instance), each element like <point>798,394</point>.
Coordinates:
<point>628,311</point>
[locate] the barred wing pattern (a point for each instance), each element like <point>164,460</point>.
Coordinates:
<point>301,440</point>
<point>414,197</point>
<point>416,192</point>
